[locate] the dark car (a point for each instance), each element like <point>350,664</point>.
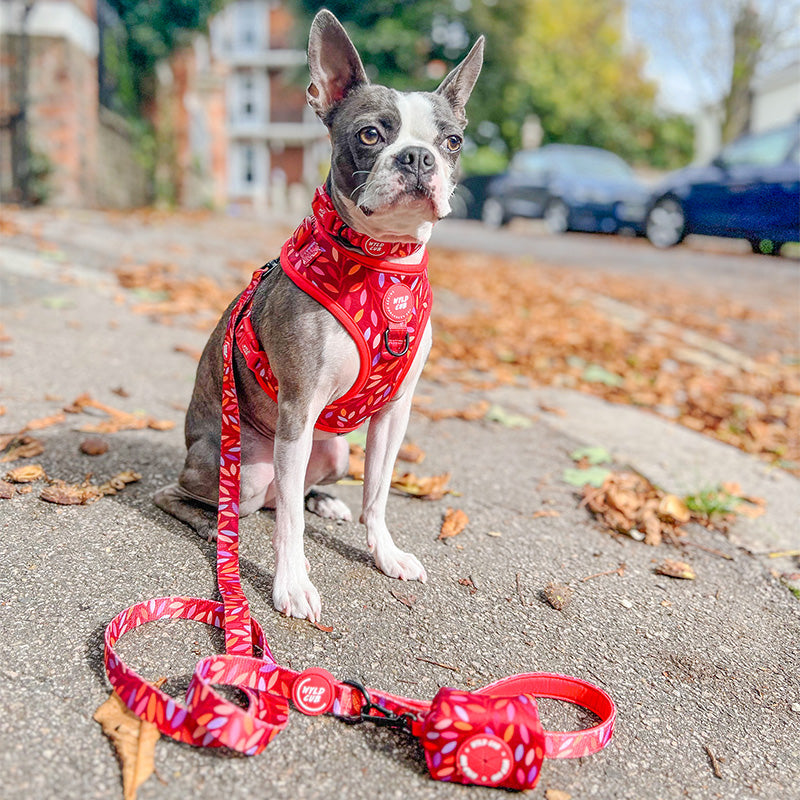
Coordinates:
<point>751,190</point>
<point>572,187</point>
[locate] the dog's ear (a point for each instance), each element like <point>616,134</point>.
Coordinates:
<point>333,62</point>
<point>458,85</point>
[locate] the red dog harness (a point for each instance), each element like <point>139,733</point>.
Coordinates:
<point>490,737</point>
<point>384,307</point>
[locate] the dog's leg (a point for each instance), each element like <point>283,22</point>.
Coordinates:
<point>293,593</point>
<point>386,431</point>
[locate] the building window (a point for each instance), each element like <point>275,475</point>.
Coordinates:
<point>250,25</point>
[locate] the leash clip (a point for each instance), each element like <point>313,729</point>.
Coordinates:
<point>383,718</point>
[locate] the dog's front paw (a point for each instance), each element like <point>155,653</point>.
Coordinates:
<point>296,596</point>
<point>396,564</point>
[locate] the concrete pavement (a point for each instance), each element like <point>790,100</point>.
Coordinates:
<point>705,673</point>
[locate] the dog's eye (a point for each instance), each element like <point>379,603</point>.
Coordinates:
<point>369,136</point>
<point>453,143</point>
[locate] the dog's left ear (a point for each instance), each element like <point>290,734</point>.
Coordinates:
<point>458,85</point>
<point>333,62</point>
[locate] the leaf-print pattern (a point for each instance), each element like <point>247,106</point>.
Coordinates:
<point>506,708</point>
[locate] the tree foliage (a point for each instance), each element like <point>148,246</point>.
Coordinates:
<point>154,28</point>
<point>562,60</point>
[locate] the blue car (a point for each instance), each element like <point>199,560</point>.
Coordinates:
<point>751,190</point>
<point>572,187</point>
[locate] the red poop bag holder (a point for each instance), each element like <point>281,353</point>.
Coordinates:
<point>490,737</point>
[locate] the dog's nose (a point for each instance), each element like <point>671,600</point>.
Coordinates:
<point>416,160</point>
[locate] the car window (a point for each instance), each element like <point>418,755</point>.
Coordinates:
<point>529,162</point>
<point>594,165</point>
<point>764,150</point>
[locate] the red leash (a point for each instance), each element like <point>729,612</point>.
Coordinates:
<point>490,737</point>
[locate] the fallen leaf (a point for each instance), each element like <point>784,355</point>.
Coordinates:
<point>676,569</point>
<point>592,455</point>
<point>470,584</point>
<point>507,419</point>
<point>455,520</point>
<point>557,794</point>
<point>26,474</point>
<point>593,476</point>
<point>7,491</point>
<point>471,413</point>
<point>546,512</point>
<point>94,446</point>
<point>406,599</point>
<point>71,494</point>
<point>21,446</point>
<point>558,595</point>
<point>433,487</point>
<point>117,420</point>
<point>411,453</point>
<point>672,506</point>
<point>357,460</point>
<point>134,740</point>
<point>323,628</point>
<point>44,422</point>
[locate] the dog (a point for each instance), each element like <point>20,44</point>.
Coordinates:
<point>391,177</point>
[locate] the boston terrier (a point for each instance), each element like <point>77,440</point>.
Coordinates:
<point>338,328</point>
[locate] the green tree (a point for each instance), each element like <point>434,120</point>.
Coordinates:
<point>587,84</point>
<point>154,29</point>
<point>562,60</point>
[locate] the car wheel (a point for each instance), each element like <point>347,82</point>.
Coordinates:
<point>493,213</point>
<point>666,223</point>
<point>556,216</point>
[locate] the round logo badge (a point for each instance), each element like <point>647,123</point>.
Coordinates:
<point>398,303</point>
<point>485,759</point>
<point>312,691</point>
<point>372,247</point>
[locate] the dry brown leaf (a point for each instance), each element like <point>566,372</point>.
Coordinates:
<point>471,413</point>
<point>134,740</point>
<point>672,506</point>
<point>409,600</point>
<point>117,420</point>
<point>7,491</point>
<point>546,512</point>
<point>26,474</point>
<point>411,453</point>
<point>557,794</point>
<point>433,487</point>
<point>44,422</point>
<point>559,595</point>
<point>21,446</point>
<point>357,460</point>
<point>94,446</point>
<point>455,520</point>
<point>71,494</point>
<point>676,569</point>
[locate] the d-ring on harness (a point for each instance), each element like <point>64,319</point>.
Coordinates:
<point>490,737</point>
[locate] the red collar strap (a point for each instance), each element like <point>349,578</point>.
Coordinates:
<point>490,737</point>
<point>330,221</point>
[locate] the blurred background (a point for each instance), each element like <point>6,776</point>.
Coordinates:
<point>127,103</point>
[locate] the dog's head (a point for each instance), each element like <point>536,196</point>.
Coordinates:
<point>393,153</point>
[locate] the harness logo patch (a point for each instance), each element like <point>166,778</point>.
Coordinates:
<point>373,247</point>
<point>398,303</point>
<point>312,692</point>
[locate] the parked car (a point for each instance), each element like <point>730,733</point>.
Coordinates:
<point>751,190</point>
<point>572,187</point>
